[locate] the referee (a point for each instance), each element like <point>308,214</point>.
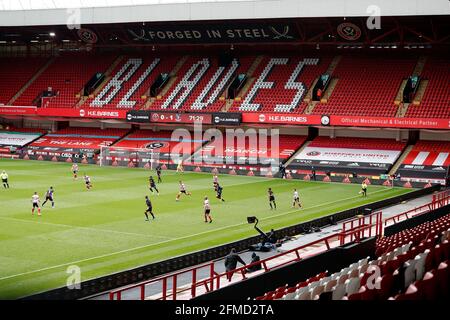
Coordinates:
<point>364,189</point>
<point>4,177</point>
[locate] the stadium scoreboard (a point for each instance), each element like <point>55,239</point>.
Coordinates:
<point>180,117</point>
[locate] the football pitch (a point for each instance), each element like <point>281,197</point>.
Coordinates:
<point>103,230</point>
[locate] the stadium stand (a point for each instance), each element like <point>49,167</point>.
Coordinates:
<point>243,153</point>
<point>21,70</point>
<point>366,86</point>
<point>159,141</point>
<point>130,81</point>
<point>80,138</point>
<point>201,82</point>
<point>436,100</point>
<point>27,130</point>
<point>13,139</point>
<point>281,83</point>
<point>348,155</point>
<point>357,143</point>
<point>66,76</point>
<point>427,159</point>
<point>414,264</point>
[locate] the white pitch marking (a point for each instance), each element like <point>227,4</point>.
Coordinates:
<point>174,239</point>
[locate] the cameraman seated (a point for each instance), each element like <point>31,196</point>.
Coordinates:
<point>256,267</point>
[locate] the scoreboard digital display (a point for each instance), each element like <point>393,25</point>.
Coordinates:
<point>166,117</point>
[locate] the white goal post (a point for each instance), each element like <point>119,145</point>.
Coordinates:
<point>125,156</point>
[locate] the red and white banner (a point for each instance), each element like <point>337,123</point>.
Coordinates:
<point>280,118</point>
<point>417,123</point>
<point>428,158</point>
<point>17,110</point>
<point>76,143</point>
<point>83,113</point>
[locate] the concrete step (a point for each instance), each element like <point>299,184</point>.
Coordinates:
<point>333,64</point>
<point>420,92</point>
<point>402,109</point>
<point>329,91</point>
<point>400,159</point>
<point>288,162</point>
<point>311,105</point>
<point>419,65</point>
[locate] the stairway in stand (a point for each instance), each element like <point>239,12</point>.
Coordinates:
<point>311,104</point>
<point>108,77</point>
<point>400,159</point>
<point>402,106</point>
<point>25,87</point>
<point>169,84</point>
<point>247,86</point>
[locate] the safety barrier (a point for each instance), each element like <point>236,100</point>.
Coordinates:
<point>439,200</point>
<point>169,283</point>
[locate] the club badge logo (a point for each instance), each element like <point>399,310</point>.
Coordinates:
<point>155,145</point>
<point>87,36</point>
<point>349,31</point>
<point>313,154</point>
<point>325,120</point>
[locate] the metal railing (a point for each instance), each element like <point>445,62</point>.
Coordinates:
<point>168,284</point>
<point>439,200</point>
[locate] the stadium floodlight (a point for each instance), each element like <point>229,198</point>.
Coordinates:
<point>52,34</point>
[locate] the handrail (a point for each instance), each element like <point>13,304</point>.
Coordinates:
<point>243,269</point>
<point>213,281</point>
<point>358,227</point>
<point>436,203</point>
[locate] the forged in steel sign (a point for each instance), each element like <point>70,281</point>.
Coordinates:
<point>214,33</point>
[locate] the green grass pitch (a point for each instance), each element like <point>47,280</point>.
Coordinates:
<point>103,230</point>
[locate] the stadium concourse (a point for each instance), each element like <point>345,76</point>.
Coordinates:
<point>332,98</point>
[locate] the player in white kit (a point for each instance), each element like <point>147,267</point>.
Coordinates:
<point>35,201</point>
<point>207,208</point>
<point>87,181</point>
<point>296,199</point>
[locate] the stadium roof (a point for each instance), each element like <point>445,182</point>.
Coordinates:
<point>62,12</point>
<point>64,4</point>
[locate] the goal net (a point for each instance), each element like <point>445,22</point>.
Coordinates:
<point>128,157</point>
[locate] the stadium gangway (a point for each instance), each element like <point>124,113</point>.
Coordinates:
<point>213,282</point>
<point>439,200</point>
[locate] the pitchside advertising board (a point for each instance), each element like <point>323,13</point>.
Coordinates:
<point>228,119</point>
<point>426,164</point>
<point>82,113</point>
<point>140,116</point>
<point>389,122</point>
<point>62,154</point>
<point>351,158</point>
<point>277,118</point>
